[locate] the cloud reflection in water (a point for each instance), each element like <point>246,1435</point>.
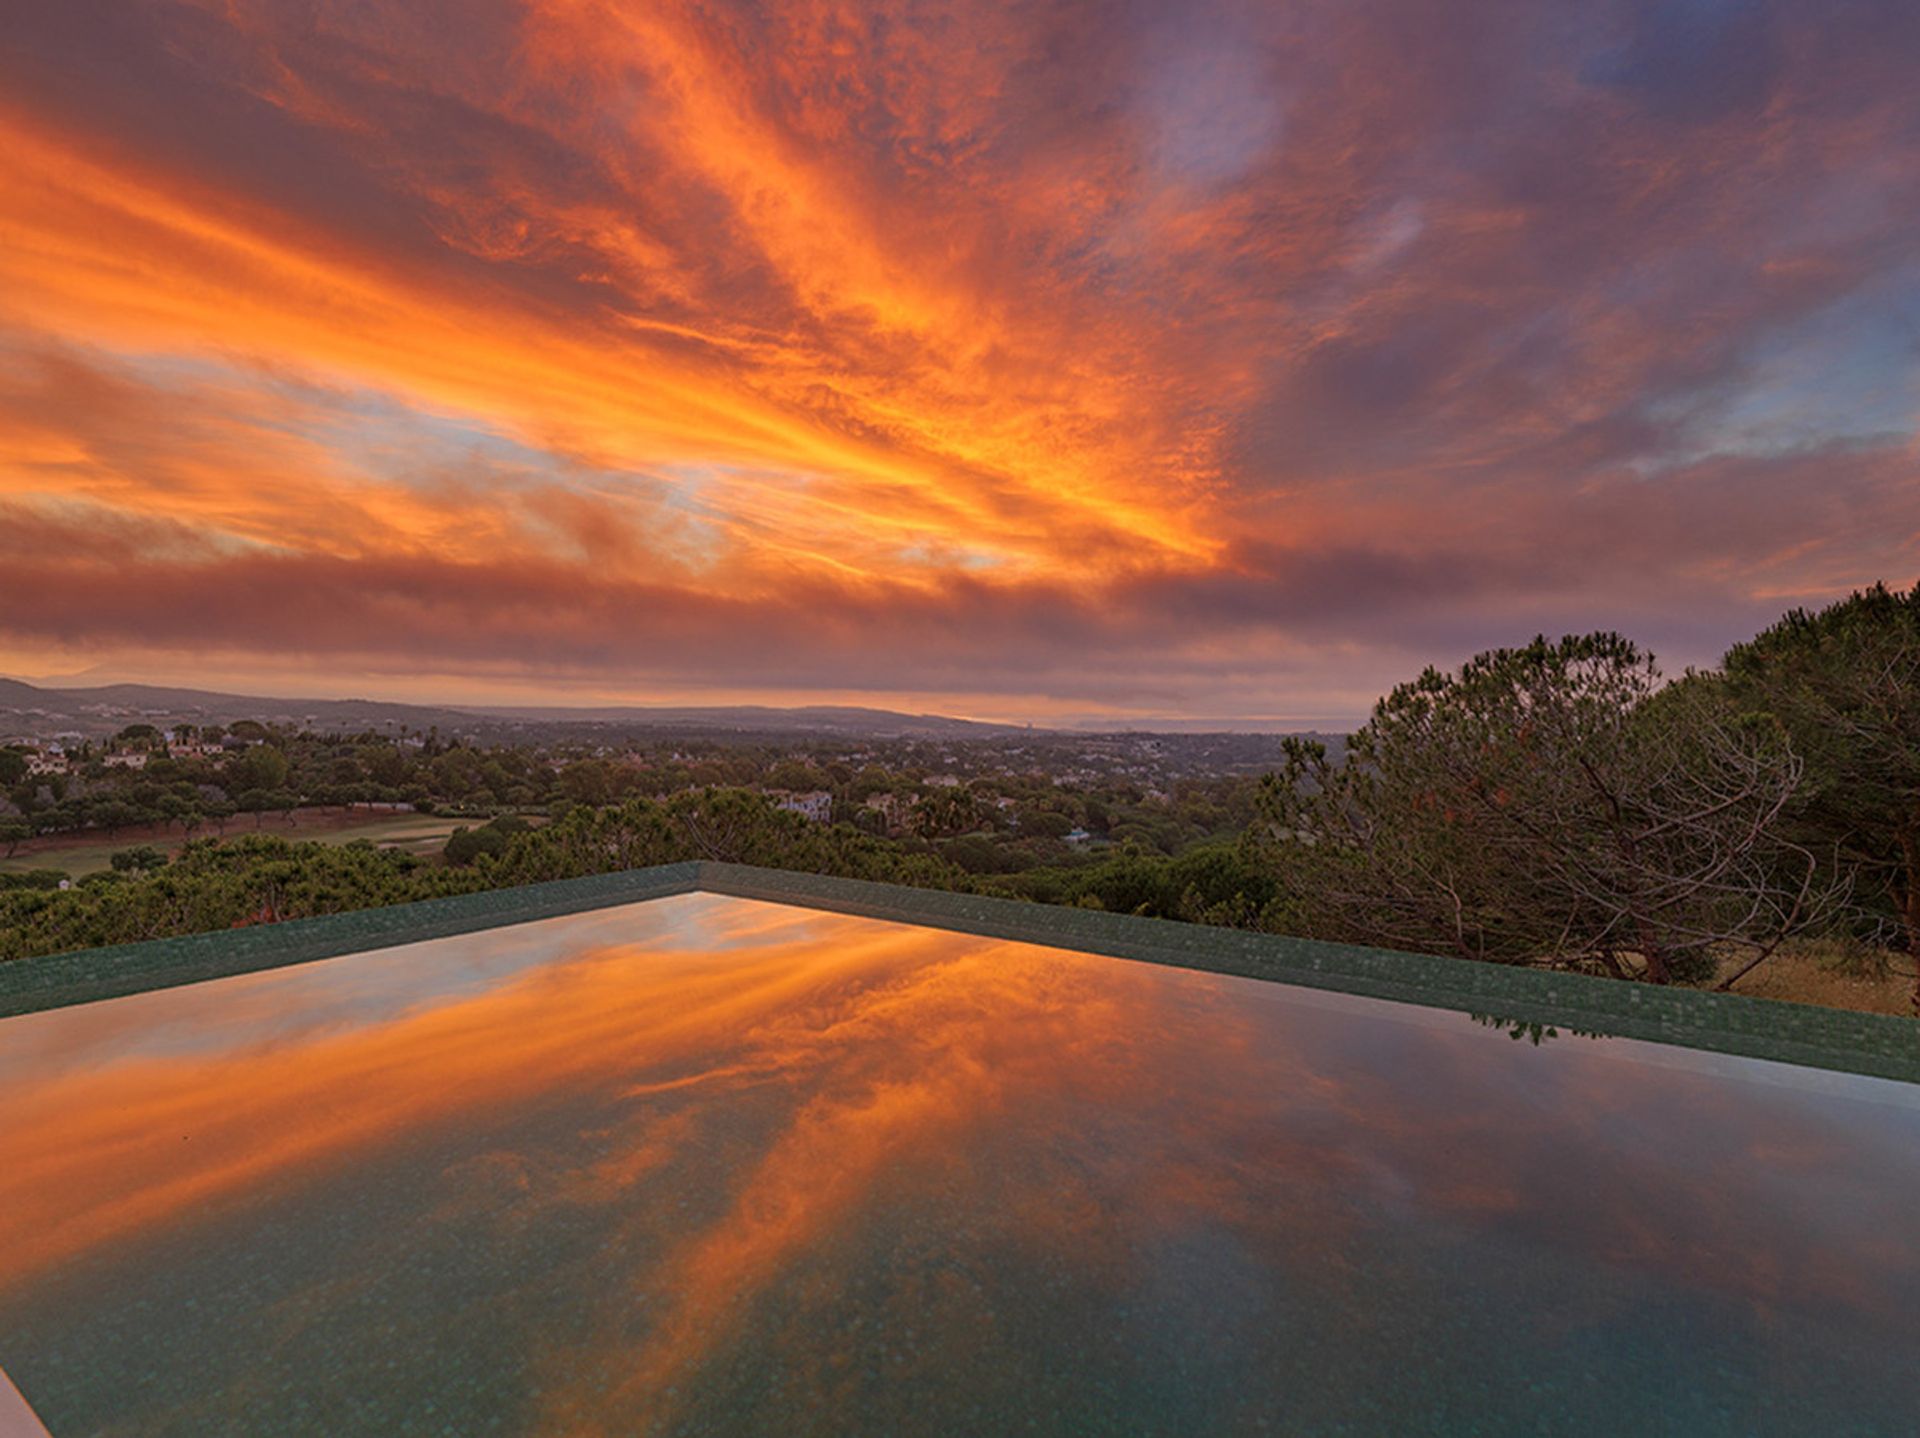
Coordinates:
<point>706,1161</point>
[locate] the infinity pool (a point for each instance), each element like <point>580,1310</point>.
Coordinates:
<point>710,1165</point>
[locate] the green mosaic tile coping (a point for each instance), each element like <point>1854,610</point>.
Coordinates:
<point>1728,1023</point>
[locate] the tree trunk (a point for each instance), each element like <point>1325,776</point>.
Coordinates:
<point>1910,906</point>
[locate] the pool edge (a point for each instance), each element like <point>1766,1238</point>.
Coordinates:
<point>17,1418</point>
<point>1878,1045</point>
<point>81,976</point>
<point>1807,1035</point>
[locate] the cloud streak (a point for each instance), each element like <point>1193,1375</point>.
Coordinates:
<point>996,349</point>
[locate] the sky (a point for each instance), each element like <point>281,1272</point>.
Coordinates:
<point>1063,362</point>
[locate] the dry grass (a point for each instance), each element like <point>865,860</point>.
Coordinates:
<point>1823,972</point>
<point>77,855</point>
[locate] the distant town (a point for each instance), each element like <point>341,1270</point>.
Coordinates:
<point>82,768</point>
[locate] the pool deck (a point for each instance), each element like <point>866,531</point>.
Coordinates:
<point>1835,1039</point>
<point>17,1420</point>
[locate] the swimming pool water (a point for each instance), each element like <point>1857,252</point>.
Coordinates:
<point>710,1165</point>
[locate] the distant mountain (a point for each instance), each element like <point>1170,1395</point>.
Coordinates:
<point>29,709</point>
<point>760,718</point>
<point>108,707</point>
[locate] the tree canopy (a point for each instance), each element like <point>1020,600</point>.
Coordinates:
<point>1538,806</point>
<point>1844,682</point>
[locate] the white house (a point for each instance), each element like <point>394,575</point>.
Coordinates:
<point>890,807</point>
<point>817,805</point>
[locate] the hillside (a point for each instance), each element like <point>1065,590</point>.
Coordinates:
<point>31,710</point>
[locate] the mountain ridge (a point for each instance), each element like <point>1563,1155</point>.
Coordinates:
<point>84,705</point>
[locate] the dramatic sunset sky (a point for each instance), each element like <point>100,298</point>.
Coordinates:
<point>1016,360</point>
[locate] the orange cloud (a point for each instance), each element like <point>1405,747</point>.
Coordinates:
<point>1314,326</point>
